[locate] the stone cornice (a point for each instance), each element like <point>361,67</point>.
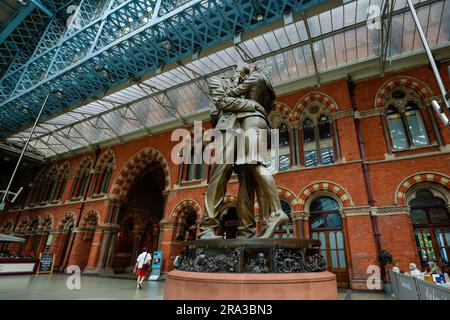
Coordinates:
<point>367,113</point>
<point>342,114</point>
<point>390,210</point>
<point>355,211</point>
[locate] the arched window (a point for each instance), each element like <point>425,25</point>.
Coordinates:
<point>431,222</point>
<point>80,184</point>
<point>104,177</point>
<point>326,225</point>
<point>188,228</point>
<point>61,182</point>
<point>278,122</point>
<point>285,231</point>
<point>318,146</point>
<point>195,171</point>
<point>404,120</point>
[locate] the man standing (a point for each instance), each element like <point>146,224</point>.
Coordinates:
<point>142,266</point>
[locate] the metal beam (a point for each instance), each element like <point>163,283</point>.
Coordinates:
<point>43,8</point>
<point>311,47</point>
<point>16,21</point>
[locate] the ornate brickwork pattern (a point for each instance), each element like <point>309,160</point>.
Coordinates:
<point>320,97</point>
<point>324,186</point>
<point>182,207</point>
<point>400,193</point>
<point>423,90</point>
<point>137,164</point>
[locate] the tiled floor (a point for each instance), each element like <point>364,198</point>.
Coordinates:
<point>54,287</point>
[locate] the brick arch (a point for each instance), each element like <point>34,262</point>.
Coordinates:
<point>289,196</point>
<point>7,226</point>
<point>182,207</point>
<point>284,109</point>
<point>134,167</point>
<point>407,183</point>
<point>52,172</point>
<point>91,218</point>
<point>321,186</point>
<point>23,224</point>
<point>320,97</point>
<point>420,87</point>
<point>85,163</point>
<point>45,220</point>
<point>65,219</point>
<point>104,157</point>
<point>64,167</point>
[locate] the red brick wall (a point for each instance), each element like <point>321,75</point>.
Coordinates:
<point>385,177</point>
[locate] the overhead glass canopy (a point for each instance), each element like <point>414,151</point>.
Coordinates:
<point>331,40</point>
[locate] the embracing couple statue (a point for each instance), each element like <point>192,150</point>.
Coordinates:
<point>242,103</point>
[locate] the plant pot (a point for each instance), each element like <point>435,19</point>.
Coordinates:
<point>387,288</point>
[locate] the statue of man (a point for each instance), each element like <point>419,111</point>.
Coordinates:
<point>242,102</point>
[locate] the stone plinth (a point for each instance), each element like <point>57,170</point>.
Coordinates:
<point>183,285</point>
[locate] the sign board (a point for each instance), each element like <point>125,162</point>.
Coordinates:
<point>46,261</point>
<point>17,268</point>
<point>431,291</point>
<point>406,287</point>
<point>156,265</point>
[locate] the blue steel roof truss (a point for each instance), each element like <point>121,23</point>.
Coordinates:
<point>110,42</point>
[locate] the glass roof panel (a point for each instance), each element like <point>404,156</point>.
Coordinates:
<point>173,94</point>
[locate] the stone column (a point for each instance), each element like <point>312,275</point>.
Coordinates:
<point>360,246</point>
<point>102,251</point>
<point>165,243</point>
<point>57,245</point>
<point>95,249</point>
<point>134,253</point>
<point>300,219</point>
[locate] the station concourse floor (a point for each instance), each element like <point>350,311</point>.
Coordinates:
<point>53,287</point>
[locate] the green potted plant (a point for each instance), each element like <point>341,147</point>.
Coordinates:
<point>384,258</point>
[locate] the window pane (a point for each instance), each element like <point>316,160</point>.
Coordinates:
<point>332,237</point>
<point>310,158</point>
<point>327,155</point>
<point>317,221</point>
<point>324,204</point>
<point>340,240</point>
<point>439,215</point>
<point>417,128</point>
<point>342,263</point>
<point>418,216</point>
<point>285,162</point>
<point>308,131</point>
<point>334,221</point>
<point>334,261</point>
<point>191,172</point>
<point>284,136</point>
<point>324,128</point>
<point>397,130</point>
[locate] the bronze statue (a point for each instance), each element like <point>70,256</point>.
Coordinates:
<point>242,102</point>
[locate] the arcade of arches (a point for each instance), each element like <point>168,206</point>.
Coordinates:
<point>99,209</point>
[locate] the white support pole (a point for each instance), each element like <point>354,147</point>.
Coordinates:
<point>432,63</point>
<point>24,149</point>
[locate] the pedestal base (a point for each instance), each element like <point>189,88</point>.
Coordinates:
<point>183,285</point>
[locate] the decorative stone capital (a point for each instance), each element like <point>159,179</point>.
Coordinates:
<point>356,211</point>
<point>80,230</point>
<point>390,210</point>
<point>299,215</point>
